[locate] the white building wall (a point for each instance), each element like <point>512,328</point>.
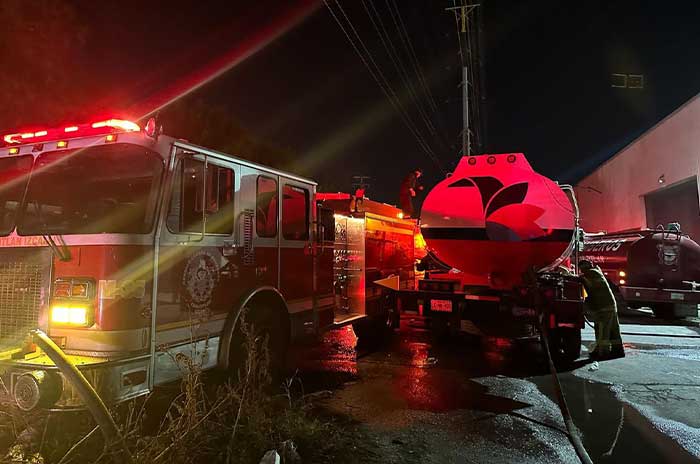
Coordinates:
<point>671,148</point>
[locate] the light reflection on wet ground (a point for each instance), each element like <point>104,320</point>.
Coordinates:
<point>390,385</point>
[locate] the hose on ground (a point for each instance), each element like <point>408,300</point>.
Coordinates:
<point>572,433</point>
<point>92,400</point>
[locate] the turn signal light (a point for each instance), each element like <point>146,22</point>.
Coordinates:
<point>72,288</point>
<point>61,289</point>
<point>69,315</point>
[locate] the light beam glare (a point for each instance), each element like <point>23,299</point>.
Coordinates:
<point>239,53</point>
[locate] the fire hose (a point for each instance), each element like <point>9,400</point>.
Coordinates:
<point>572,432</point>
<point>92,400</point>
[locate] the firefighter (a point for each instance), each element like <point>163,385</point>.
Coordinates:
<point>601,308</point>
<point>407,191</point>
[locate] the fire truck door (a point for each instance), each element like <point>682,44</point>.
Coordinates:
<point>259,227</point>
<point>196,281</point>
<point>297,255</point>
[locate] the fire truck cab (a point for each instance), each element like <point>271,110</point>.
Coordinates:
<point>130,248</point>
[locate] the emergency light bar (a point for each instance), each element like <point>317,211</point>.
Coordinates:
<point>95,128</point>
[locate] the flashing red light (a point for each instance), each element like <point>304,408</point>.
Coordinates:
<point>122,124</point>
<point>87,129</point>
<point>150,128</point>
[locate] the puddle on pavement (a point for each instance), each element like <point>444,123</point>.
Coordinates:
<point>415,373</point>
<point>613,431</point>
<point>411,372</point>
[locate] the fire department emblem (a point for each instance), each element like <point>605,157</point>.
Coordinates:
<point>668,254</point>
<point>199,280</point>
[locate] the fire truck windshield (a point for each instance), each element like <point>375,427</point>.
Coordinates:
<point>14,173</point>
<point>101,189</point>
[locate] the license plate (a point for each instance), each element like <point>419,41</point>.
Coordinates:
<point>444,306</point>
<point>677,296</point>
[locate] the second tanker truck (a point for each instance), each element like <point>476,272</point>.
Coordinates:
<point>655,268</point>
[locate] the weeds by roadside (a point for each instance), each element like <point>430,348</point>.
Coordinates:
<point>205,422</point>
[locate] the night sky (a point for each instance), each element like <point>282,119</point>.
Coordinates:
<point>547,67</point>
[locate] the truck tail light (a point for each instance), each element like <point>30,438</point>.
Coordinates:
<point>622,274</point>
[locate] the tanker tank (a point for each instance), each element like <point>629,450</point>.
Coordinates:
<point>495,218</point>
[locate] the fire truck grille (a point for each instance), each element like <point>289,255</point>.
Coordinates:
<point>24,289</point>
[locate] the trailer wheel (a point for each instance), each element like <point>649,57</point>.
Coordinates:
<point>663,311</point>
<point>570,340</point>
<point>374,330</point>
<point>565,345</point>
<point>622,306</point>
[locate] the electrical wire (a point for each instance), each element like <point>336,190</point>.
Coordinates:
<point>418,69</point>
<point>378,77</point>
<point>398,64</point>
<point>459,37</point>
<point>412,54</point>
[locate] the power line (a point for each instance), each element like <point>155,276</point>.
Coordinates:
<point>396,99</point>
<point>398,64</point>
<point>414,61</point>
<point>378,77</point>
<point>418,69</point>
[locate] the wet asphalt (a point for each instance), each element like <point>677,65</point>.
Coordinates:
<point>417,399</point>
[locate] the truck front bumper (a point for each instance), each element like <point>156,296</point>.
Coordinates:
<point>34,382</point>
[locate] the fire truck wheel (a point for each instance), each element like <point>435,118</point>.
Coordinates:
<point>265,325</point>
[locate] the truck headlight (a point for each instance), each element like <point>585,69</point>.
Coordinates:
<point>63,314</point>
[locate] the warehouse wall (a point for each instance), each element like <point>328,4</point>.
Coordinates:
<point>671,148</point>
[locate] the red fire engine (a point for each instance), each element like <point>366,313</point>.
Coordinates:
<point>645,267</point>
<point>129,248</point>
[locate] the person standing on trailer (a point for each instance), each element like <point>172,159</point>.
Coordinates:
<point>407,191</point>
<point>602,309</point>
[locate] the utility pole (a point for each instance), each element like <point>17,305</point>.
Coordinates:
<point>462,17</point>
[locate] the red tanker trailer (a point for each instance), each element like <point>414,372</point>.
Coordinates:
<point>655,268</point>
<point>496,232</point>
